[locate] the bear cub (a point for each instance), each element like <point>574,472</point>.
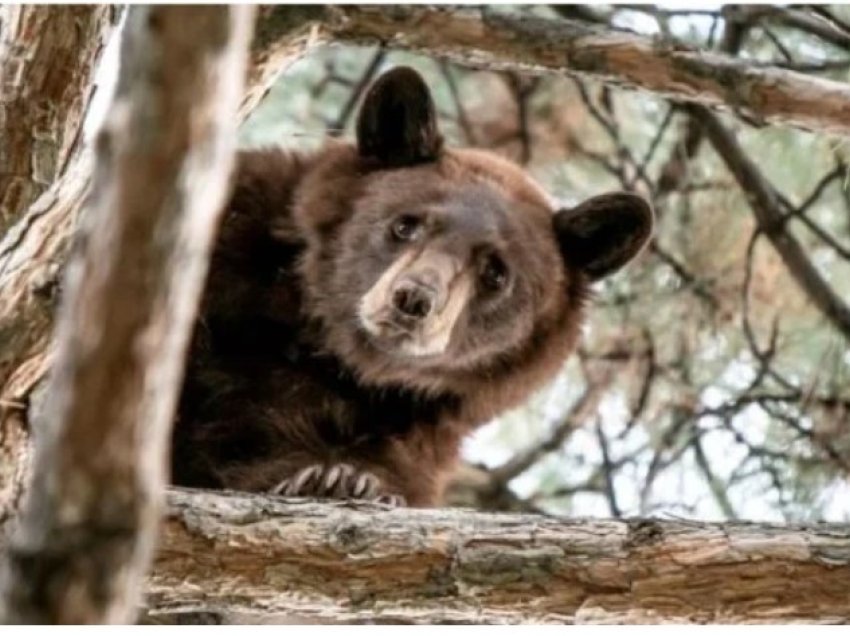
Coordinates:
<point>370,304</point>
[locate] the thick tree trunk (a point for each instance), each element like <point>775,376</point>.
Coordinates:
<point>343,562</point>
<point>48,58</point>
<point>161,172</point>
<point>48,55</point>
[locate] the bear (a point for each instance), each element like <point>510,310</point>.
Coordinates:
<point>369,304</point>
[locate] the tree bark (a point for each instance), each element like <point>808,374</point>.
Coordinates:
<point>31,256</point>
<point>479,37</point>
<point>349,562</point>
<point>48,55</point>
<point>162,165</point>
<point>48,59</point>
<point>34,249</point>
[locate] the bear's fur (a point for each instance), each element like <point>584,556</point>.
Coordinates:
<point>369,305</point>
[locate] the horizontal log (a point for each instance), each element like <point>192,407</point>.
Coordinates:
<point>268,558</point>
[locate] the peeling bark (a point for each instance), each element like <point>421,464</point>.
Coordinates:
<point>48,55</point>
<point>33,252</point>
<point>162,165</point>
<point>481,38</point>
<point>31,257</point>
<point>275,559</point>
<point>48,59</point>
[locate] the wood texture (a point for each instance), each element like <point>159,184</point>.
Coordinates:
<point>160,176</point>
<point>48,59</point>
<point>48,56</point>
<point>480,37</point>
<point>276,560</point>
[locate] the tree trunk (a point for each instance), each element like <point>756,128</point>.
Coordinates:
<point>48,55</point>
<point>161,170</point>
<point>273,559</point>
<point>33,251</point>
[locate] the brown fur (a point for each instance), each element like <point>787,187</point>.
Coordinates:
<point>282,375</point>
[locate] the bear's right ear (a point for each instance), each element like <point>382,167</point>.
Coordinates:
<point>398,122</point>
<point>605,232</point>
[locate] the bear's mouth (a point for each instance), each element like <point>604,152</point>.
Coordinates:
<point>399,337</point>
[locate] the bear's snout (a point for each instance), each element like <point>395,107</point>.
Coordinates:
<point>413,307</point>
<point>413,299</point>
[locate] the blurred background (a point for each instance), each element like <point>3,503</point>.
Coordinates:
<point>707,385</point>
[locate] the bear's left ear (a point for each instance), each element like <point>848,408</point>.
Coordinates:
<point>604,233</point>
<point>398,122</point>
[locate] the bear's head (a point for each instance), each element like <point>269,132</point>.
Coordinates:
<point>432,267</point>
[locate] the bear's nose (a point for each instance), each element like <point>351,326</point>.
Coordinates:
<point>413,300</point>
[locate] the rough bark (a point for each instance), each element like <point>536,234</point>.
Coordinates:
<point>162,164</point>
<point>33,252</point>
<point>343,562</point>
<point>48,58</point>
<point>478,37</point>
<point>31,255</point>
<point>48,55</point>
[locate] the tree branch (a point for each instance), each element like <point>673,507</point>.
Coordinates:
<point>583,408</point>
<point>350,562</point>
<point>478,37</point>
<point>161,170</point>
<point>767,208</point>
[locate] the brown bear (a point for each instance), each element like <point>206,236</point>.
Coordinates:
<point>370,304</point>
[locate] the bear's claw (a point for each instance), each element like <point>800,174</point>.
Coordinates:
<point>337,481</point>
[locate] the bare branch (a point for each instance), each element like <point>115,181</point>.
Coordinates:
<point>460,110</point>
<point>338,126</point>
<point>810,23</point>
<point>497,41</point>
<point>581,410</point>
<point>767,208</point>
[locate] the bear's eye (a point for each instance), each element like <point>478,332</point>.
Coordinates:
<point>494,273</point>
<point>406,227</point>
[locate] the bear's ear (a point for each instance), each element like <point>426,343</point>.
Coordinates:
<point>604,233</point>
<point>398,122</point>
